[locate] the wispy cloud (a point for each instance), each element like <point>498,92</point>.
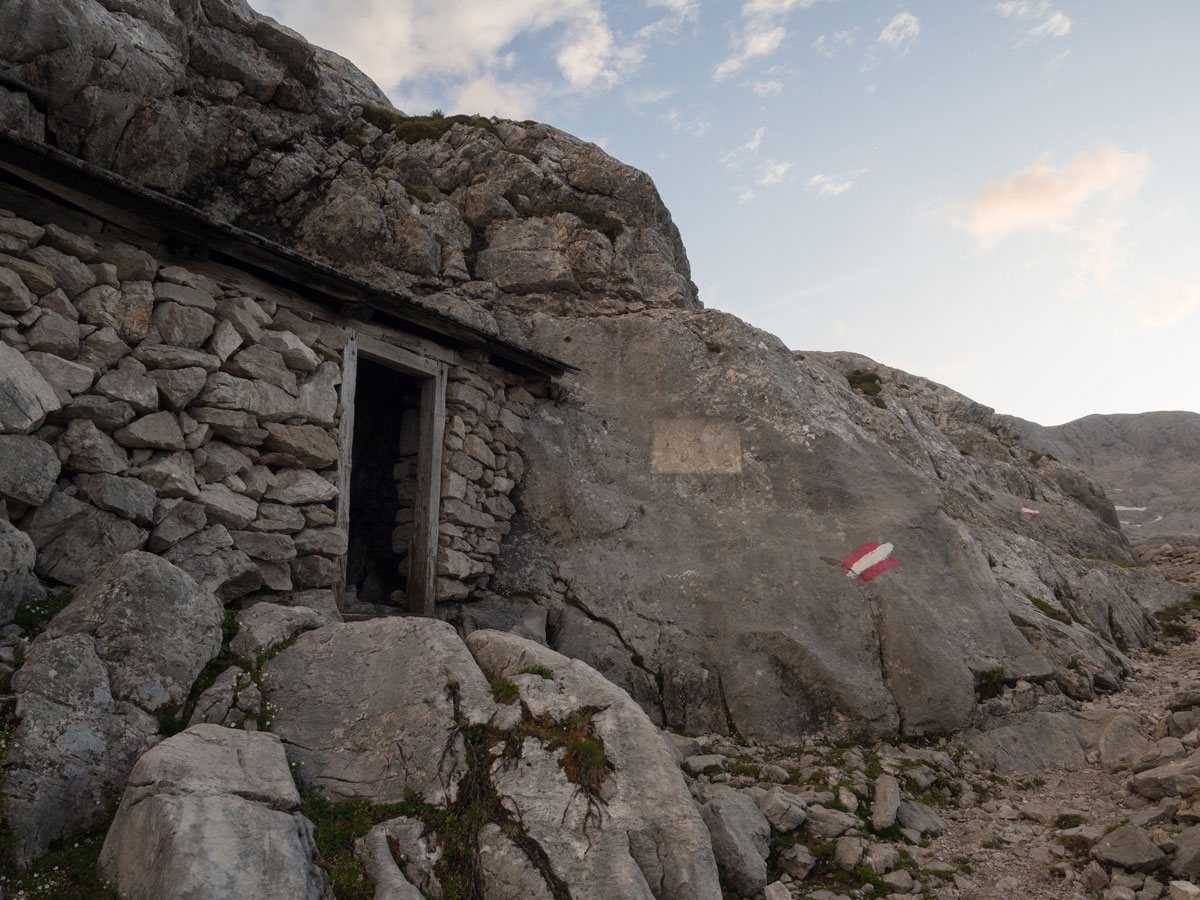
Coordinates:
<point>897,38</point>
<point>772,172</point>
<point>1042,197</point>
<point>649,96</point>
<point>460,48</point>
<point>1169,302</point>
<point>829,45</point>
<point>697,125</point>
<point>760,36</point>
<point>766,88</point>
<point>832,185</point>
<point>1049,22</point>
<point>734,159</point>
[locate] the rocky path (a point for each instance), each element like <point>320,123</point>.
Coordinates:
<point>1110,812</point>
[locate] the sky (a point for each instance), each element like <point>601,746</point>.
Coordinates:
<point>1000,196</point>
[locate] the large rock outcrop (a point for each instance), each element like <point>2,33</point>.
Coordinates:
<point>123,653</point>
<point>690,498</point>
<point>213,812</point>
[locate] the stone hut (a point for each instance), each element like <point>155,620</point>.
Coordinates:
<point>265,422</point>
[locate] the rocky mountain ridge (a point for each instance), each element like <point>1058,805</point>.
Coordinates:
<point>691,499</point>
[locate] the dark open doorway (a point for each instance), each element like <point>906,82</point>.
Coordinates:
<point>383,475</point>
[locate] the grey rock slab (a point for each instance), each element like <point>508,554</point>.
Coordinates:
<point>831,823</point>
<point>310,444</point>
<point>507,871</point>
<point>1173,779</point>
<point>741,838</point>
<point>166,292</point>
<point>259,363</point>
<point>56,334</point>
<point>64,375</point>
<point>182,326</point>
<point>26,398</point>
<point>161,356</point>
<point>785,811</point>
<point>233,425</point>
<point>183,520</point>
<point>217,460</point>
<point>1130,848</point>
<point>107,415</point>
<point>318,400</point>
<point>85,448</point>
<point>210,557</point>
<point>314,571</point>
<point>263,399</point>
<point>171,475</point>
<point>178,386</point>
<point>797,861</point>
<point>330,542</point>
<point>127,497</point>
<point>14,295</point>
<point>920,818</point>
<point>102,348</point>
<point>1186,863</point>
<point>265,626</point>
<point>74,538</point>
<point>886,802</point>
<point>158,430</point>
<point>29,468</point>
<point>69,273</point>
<point>1045,741</point>
<point>124,651</point>
<point>365,711</point>
<point>18,584</point>
<point>138,391</point>
<point>266,546</point>
<point>297,487</point>
<point>295,353</point>
<point>380,867</point>
<point>652,833</point>
<point>224,507</point>
<point>212,812</point>
<point>132,264</point>
<point>277,517</point>
<point>126,311</point>
<point>80,246</point>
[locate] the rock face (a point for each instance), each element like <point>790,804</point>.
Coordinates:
<point>212,812</point>
<point>725,481</point>
<point>124,652</point>
<point>1146,463</point>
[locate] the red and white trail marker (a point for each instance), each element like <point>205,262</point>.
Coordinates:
<point>869,561</point>
<point>1030,511</point>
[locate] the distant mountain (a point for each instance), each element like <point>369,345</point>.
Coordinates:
<point>1148,464</point>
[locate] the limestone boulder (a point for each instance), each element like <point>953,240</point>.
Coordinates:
<point>649,839</point>
<point>741,838</point>
<point>213,812</point>
<point>18,584</point>
<point>26,398</point>
<point>74,538</point>
<point>29,469</point>
<point>1130,848</point>
<point>370,709</point>
<point>125,651</point>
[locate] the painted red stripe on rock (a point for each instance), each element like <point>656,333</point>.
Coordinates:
<point>879,568</point>
<point>859,554</point>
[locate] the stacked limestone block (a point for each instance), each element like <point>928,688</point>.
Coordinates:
<point>149,407</point>
<point>486,411</point>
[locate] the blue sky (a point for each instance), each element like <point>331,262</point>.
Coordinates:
<point>998,196</point>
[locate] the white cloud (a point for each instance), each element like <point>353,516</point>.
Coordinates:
<point>766,88</point>
<point>697,126</point>
<point>746,196</point>
<point>649,96</point>
<point>761,36</point>
<point>1041,197</point>
<point>772,171</point>
<point>1169,302</point>
<point>1058,25</point>
<point>897,36</point>
<point>455,47</point>
<point>490,96</point>
<point>828,46</point>
<point>1050,21</point>
<point>832,185</point>
<point>733,160</point>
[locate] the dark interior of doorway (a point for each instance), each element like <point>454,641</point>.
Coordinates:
<point>382,484</point>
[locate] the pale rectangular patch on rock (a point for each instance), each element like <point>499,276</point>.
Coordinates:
<point>695,447</point>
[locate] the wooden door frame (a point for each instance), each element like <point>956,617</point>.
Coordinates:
<point>423,550</point>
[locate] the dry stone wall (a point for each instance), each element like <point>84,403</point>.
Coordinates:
<point>146,405</point>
